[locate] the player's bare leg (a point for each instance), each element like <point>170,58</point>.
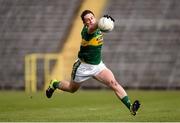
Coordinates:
<point>62,85</point>
<point>68,86</point>
<point>107,77</point>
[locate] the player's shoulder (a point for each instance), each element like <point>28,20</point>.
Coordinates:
<point>84,30</point>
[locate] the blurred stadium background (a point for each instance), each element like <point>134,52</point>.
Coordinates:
<point>40,39</point>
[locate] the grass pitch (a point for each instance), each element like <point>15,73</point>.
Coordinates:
<point>88,106</point>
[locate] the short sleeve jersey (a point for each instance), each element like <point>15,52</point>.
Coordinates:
<point>91,45</point>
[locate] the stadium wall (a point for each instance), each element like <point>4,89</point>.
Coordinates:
<point>31,26</point>
<point>144,49</point>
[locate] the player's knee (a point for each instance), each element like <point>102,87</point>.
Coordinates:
<point>113,84</point>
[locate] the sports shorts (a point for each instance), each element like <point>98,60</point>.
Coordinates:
<point>82,71</point>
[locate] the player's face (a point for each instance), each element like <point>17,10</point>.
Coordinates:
<point>89,19</point>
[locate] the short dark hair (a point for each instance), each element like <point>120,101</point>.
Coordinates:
<point>85,12</point>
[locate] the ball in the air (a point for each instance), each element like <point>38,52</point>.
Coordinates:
<point>105,24</point>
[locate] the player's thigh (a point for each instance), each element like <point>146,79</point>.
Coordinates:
<point>106,76</point>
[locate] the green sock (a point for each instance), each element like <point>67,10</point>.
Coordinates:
<point>56,84</point>
<point>126,101</point>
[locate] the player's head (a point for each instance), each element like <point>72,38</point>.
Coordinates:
<point>88,17</point>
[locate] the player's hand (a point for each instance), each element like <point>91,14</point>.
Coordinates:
<point>108,16</point>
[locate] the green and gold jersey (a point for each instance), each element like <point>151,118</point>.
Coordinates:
<point>91,45</point>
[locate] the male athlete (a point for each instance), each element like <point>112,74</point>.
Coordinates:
<point>89,64</point>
